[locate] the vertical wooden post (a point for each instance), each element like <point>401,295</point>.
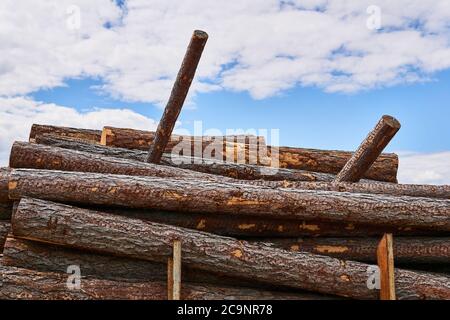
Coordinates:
<point>369,150</point>
<point>178,95</point>
<point>176,270</point>
<point>385,257</point>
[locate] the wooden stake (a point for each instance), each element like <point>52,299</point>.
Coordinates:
<point>369,150</point>
<point>385,256</point>
<point>176,270</point>
<point>178,95</point>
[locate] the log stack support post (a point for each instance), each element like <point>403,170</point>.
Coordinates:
<point>385,257</point>
<point>174,272</point>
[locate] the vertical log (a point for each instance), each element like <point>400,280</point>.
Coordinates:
<point>369,150</point>
<point>178,95</point>
<point>176,270</point>
<point>385,256</point>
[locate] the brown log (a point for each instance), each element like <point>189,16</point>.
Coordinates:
<point>243,226</point>
<point>407,250</point>
<point>291,178</point>
<point>385,258</point>
<point>5,227</point>
<point>82,134</point>
<point>238,171</point>
<point>50,258</point>
<point>369,150</point>
<point>331,161</point>
<point>188,195</point>
<point>19,284</point>
<point>89,230</point>
<point>178,95</point>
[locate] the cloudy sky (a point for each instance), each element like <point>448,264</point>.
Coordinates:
<point>321,71</point>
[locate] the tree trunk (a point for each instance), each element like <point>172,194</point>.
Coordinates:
<point>188,195</point>
<point>329,161</point>
<point>243,226</point>
<point>290,178</point>
<point>5,228</point>
<point>83,134</point>
<point>17,284</point>
<point>228,169</point>
<point>411,250</point>
<point>89,230</point>
<point>369,150</point>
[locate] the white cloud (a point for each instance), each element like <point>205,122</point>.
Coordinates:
<point>416,168</point>
<point>259,46</point>
<point>18,114</point>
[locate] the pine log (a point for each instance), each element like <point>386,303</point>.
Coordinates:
<point>178,95</point>
<point>369,150</point>
<point>228,169</point>
<point>19,284</point>
<point>250,226</point>
<point>297,179</point>
<point>93,136</point>
<point>5,227</point>
<point>64,225</point>
<point>331,161</point>
<point>407,250</point>
<point>188,195</point>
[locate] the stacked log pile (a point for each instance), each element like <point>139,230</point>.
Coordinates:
<point>87,198</point>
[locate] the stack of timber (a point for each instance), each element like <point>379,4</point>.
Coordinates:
<point>89,201</point>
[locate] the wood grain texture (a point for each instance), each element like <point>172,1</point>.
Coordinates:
<point>385,258</point>
<point>5,228</point>
<point>287,178</point>
<point>89,230</point>
<point>20,284</point>
<point>83,134</point>
<point>369,150</point>
<point>407,250</point>
<point>187,195</point>
<point>176,270</point>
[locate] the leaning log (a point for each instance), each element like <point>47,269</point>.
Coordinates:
<point>83,134</point>
<point>188,195</point>
<point>104,233</point>
<point>369,150</point>
<point>251,172</point>
<point>407,250</point>
<point>18,284</point>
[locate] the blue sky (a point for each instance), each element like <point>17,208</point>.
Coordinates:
<point>306,117</point>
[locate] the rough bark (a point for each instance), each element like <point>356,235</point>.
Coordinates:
<point>178,95</point>
<point>369,150</point>
<point>250,226</point>
<point>4,177</point>
<point>291,178</point>
<point>187,195</point>
<point>233,170</point>
<point>83,134</point>
<point>5,227</point>
<point>407,250</point>
<point>330,161</point>
<point>17,284</point>
<point>89,230</point>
